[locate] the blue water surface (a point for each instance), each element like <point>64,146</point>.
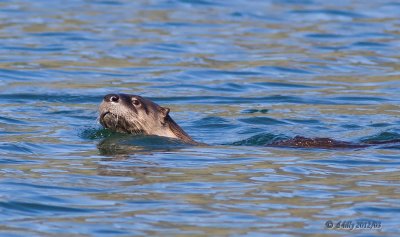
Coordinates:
<point>237,75</point>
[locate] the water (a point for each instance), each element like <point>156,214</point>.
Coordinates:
<point>236,75</point>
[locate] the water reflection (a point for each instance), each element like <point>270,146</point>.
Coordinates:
<point>131,144</point>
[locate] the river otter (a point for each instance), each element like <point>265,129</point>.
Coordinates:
<point>137,115</point>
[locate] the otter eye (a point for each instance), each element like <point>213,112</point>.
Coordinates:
<point>135,101</point>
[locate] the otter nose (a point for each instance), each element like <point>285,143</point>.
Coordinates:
<point>111,98</point>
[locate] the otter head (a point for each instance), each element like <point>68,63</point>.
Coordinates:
<point>134,114</point>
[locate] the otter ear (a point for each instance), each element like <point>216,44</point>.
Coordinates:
<point>164,111</point>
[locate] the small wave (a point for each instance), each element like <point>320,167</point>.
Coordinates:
<point>329,12</point>
<point>7,120</point>
<point>213,122</point>
<point>262,121</point>
<point>48,97</point>
<point>260,140</point>
<point>252,111</point>
<point>286,70</point>
<point>369,44</point>
<point>382,138</point>
<point>38,207</point>
<point>16,147</point>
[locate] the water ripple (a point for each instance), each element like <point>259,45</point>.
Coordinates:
<point>237,75</point>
